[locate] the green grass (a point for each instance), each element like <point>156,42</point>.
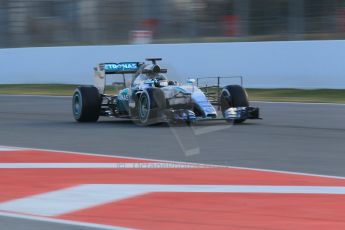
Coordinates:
<point>38,89</point>
<point>294,95</point>
<point>44,89</point>
<point>298,95</point>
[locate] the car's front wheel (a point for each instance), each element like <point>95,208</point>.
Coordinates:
<point>151,102</point>
<point>233,96</point>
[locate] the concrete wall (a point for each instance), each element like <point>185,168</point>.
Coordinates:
<point>300,64</point>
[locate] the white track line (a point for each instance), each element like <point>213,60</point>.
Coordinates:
<point>76,223</point>
<point>7,148</point>
<point>60,221</point>
<point>85,196</point>
<point>190,163</point>
<point>137,165</point>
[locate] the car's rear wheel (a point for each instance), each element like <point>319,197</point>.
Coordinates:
<point>233,96</point>
<point>86,104</point>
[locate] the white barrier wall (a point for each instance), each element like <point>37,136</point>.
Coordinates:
<point>300,64</point>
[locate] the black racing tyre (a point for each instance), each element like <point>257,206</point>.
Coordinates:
<point>151,102</point>
<point>86,104</point>
<point>233,96</point>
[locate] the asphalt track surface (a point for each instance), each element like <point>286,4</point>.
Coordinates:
<point>11,223</point>
<point>308,138</point>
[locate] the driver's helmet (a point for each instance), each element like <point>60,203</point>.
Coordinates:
<point>160,81</point>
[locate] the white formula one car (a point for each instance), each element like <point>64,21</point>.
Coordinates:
<point>152,98</point>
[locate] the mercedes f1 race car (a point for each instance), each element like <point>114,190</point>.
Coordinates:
<point>151,98</point>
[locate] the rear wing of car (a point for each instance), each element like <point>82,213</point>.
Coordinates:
<point>122,68</point>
